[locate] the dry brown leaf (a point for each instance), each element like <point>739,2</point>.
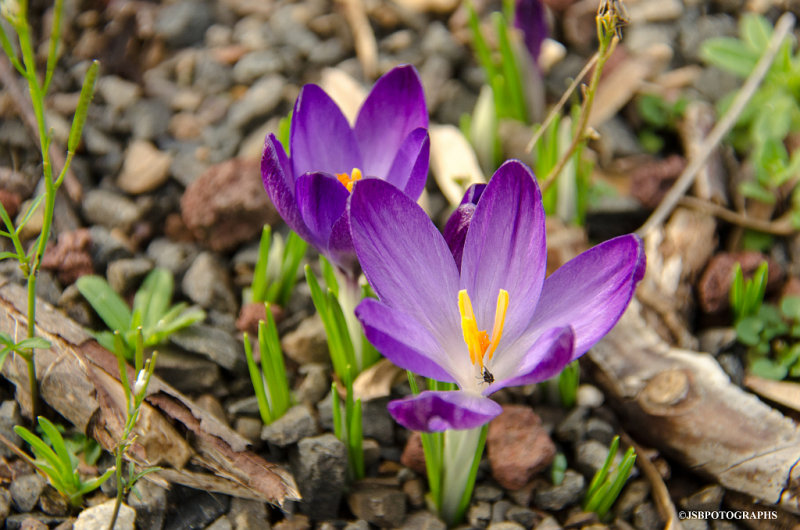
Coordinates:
<point>453,162</point>
<point>620,85</point>
<point>376,381</point>
<point>785,393</point>
<point>345,90</point>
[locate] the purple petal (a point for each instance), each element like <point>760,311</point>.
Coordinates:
<point>455,231</point>
<point>505,249</point>
<point>551,352</point>
<point>409,170</point>
<point>340,248</point>
<point>440,411</point>
<point>405,258</point>
<point>529,17</point>
<point>321,138</point>
<point>321,199</point>
<point>591,291</point>
<point>394,108</point>
<point>403,340</point>
<point>276,174</point>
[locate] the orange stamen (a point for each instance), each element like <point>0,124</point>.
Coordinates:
<point>348,180</point>
<point>477,340</point>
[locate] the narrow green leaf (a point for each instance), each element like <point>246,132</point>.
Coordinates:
<point>94,483</point>
<point>341,330</point>
<point>108,304</point>
<point>57,441</point>
<point>329,275</point>
<point>336,405</point>
<point>620,477</point>
<point>42,450</point>
<point>279,387</point>
<point>257,379</point>
<point>29,212</point>
<point>87,93</point>
<point>510,69</point>
<point>158,287</point>
<point>33,343</point>
<point>355,441</point>
<point>166,327</point>
<point>600,476</point>
<point>55,38</point>
<point>482,51</point>
<point>259,287</point>
<point>293,253</point>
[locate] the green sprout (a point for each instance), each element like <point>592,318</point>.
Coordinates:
<point>558,469</point>
<point>276,268</point>
<point>747,296</point>
<point>771,333</point>
<point>606,484</point>
<point>151,311</point>
<point>568,381</point>
<point>773,113</point>
<point>58,464</point>
<point>269,383</point>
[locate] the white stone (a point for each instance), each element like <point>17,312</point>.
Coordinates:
<point>100,516</point>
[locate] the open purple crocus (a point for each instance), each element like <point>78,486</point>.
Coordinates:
<point>389,141</point>
<point>474,307</point>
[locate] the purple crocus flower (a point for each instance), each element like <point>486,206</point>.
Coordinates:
<point>474,307</point>
<point>531,20</point>
<point>389,141</point>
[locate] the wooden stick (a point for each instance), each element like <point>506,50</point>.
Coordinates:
<point>782,29</point>
<point>779,227</point>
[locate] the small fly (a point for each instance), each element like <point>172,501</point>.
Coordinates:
<point>488,377</point>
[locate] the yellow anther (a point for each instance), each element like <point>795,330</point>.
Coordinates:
<point>348,180</point>
<point>477,340</point>
<point>499,320</point>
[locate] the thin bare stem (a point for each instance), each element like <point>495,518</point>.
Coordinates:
<point>586,110</point>
<point>556,110</point>
<point>779,227</point>
<point>782,29</point>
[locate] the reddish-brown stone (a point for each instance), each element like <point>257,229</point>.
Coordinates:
<point>715,284</point>
<point>11,202</point>
<point>518,446</point>
<point>252,312</point>
<point>413,455</point>
<point>650,181</point>
<point>227,205</point>
<point>69,258</point>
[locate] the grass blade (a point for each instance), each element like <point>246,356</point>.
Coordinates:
<point>105,301</point>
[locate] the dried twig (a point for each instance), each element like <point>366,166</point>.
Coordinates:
<point>363,36</point>
<point>586,112</point>
<point>782,29</point>
<point>660,492</point>
<point>9,80</point>
<point>779,227</point>
<point>561,102</point>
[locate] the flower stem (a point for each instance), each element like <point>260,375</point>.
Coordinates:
<point>349,297</point>
<point>458,479</point>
